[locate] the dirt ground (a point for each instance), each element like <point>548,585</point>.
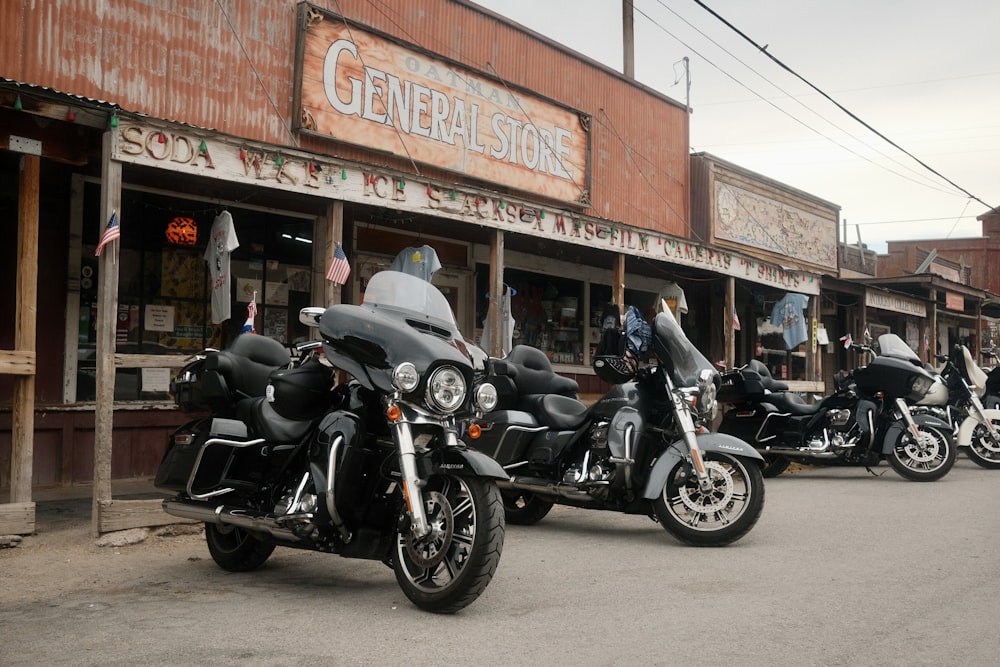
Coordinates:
<point>62,555</point>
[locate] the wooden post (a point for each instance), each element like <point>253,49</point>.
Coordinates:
<point>19,516</point>
<point>107,314</point>
<point>618,288</point>
<point>730,331</point>
<point>329,231</point>
<point>496,320</point>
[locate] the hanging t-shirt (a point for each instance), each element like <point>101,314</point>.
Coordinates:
<point>421,262</point>
<point>674,296</point>
<point>221,242</point>
<point>787,314</point>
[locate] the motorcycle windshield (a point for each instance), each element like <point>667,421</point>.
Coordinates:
<point>679,356</point>
<point>408,298</point>
<point>891,345</point>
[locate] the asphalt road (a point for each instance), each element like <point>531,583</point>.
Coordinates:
<point>844,568</point>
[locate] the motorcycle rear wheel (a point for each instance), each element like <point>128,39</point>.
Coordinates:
<point>523,508</point>
<point>774,465</point>
<point>926,460</point>
<point>984,450</point>
<point>237,550</point>
<point>447,570</point>
<point>720,516</point>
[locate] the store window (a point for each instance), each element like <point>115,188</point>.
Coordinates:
<point>165,290</point>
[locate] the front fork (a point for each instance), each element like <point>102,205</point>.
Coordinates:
<point>413,484</point>
<point>688,431</point>
<point>980,413</point>
<point>904,409</point>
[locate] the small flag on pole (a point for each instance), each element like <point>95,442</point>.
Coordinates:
<point>848,341</point>
<point>251,314</point>
<point>736,321</point>
<point>111,232</point>
<point>339,267</point>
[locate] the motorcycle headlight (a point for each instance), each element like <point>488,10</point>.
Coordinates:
<point>921,385</point>
<point>708,392</point>
<point>486,397</point>
<point>446,389</point>
<point>405,377</point>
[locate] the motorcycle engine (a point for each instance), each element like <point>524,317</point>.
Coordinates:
<point>594,473</point>
<point>838,418</point>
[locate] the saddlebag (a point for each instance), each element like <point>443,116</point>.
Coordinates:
<point>505,435</point>
<point>203,461</point>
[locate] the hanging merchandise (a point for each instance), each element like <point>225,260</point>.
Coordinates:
<point>222,241</point>
<point>421,262</point>
<point>638,333</point>
<point>672,293</point>
<point>787,314</point>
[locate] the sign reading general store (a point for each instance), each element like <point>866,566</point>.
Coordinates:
<point>359,87</point>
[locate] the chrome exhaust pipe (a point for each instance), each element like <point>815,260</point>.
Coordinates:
<point>544,486</point>
<point>229,515</point>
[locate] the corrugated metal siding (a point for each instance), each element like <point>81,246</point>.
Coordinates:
<point>180,60</point>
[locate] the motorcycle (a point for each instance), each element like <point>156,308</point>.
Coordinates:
<point>975,427</point>
<point>866,420</point>
<point>643,448</point>
<point>370,468</point>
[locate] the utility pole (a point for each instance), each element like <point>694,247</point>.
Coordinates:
<point>628,39</point>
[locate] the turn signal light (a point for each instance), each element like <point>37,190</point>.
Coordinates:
<point>475,431</point>
<point>394,413</point>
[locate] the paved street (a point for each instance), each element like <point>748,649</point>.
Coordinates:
<point>843,569</point>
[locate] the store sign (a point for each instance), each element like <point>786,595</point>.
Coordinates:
<point>954,301</point>
<point>299,172</point>
<point>895,303</point>
<point>359,87</point>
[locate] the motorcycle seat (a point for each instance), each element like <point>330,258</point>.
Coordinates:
<point>791,403</point>
<point>248,363</point>
<point>534,374</point>
<point>557,412</point>
<point>766,379</point>
<point>264,422</point>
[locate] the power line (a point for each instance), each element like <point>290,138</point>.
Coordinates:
<point>763,49</point>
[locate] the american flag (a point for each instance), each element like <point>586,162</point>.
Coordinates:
<point>251,314</point>
<point>339,267</point>
<point>111,232</point>
<point>736,321</point>
<point>848,341</point>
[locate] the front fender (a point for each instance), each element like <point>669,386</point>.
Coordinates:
<point>460,461</point>
<point>964,438</point>
<point>675,453</point>
<point>898,427</point>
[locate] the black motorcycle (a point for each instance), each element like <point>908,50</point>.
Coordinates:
<point>368,468</point>
<point>866,419</point>
<point>641,449</point>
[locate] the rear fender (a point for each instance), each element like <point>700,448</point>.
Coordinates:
<point>968,426</point>
<point>898,427</point>
<point>675,453</point>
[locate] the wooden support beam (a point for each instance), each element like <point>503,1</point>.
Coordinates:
<point>107,314</point>
<point>730,330</point>
<point>495,313</point>
<point>17,362</point>
<point>23,411</point>
<point>618,288</point>
<point>329,231</point>
<point>125,514</point>
<point>17,518</point>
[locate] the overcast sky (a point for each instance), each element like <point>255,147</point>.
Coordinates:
<point>925,74</point>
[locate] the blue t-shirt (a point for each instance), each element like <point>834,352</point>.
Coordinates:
<point>787,314</point>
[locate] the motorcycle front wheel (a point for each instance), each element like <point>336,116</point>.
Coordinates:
<point>924,459</point>
<point>450,567</point>
<point>716,517</point>
<point>984,450</point>
<point>237,550</point>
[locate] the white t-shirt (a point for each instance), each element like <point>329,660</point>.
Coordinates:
<point>222,241</point>
<point>674,296</point>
